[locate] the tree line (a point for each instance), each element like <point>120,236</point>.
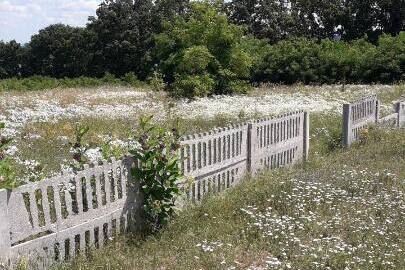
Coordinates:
<point>204,47</point>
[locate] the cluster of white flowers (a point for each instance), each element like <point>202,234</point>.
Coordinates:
<point>209,246</point>
<point>33,171</point>
<point>93,155</point>
<point>11,150</point>
<point>19,110</point>
<point>371,236</point>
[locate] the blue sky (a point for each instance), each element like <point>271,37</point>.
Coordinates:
<point>20,19</point>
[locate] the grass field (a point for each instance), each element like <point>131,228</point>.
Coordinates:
<point>42,123</point>
<point>344,209</point>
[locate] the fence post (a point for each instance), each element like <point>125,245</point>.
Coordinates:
<point>377,111</point>
<point>400,109</point>
<point>306,136</point>
<point>347,125</point>
<point>249,148</point>
<point>5,242</point>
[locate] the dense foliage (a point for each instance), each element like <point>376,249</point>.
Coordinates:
<point>60,51</point>
<point>197,48</point>
<point>277,20</point>
<point>309,61</point>
<point>158,171</point>
<point>201,54</point>
<point>11,54</point>
<point>7,176</point>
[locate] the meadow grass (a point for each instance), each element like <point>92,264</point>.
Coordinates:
<point>51,145</point>
<point>44,142</point>
<point>343,209</point>
<point>37,83</point>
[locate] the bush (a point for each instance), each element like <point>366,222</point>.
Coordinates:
<point>201,54</point>
<point>7,176</point>
<point>158,171</point>
<point>78,148</point>
<point>311,61</point>
<point>193,85</point>
<point>131,79</point>
<point>156,81</point>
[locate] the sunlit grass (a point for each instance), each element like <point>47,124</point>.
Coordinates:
<point>343,209</point>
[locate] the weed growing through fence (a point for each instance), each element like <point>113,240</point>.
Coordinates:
<point>158,171</point>
<point>110,148</point>
<point>78,148</point>
<point>7,176</point>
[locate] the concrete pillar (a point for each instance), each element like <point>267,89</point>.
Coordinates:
<point>5,241</point>
<point>400,109</point>
<point>250,148</point>
<point>306,136</point>
<point>347,126</point>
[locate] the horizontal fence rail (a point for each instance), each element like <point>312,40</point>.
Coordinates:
<point>54,220</point>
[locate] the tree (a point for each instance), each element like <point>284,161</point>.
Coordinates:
<point>124,30</point>
<point>201,53</point>
<point>263,18</point>
<point>167,10</point>
<point>11,59</point>
<point>351,19</point>
<point>60,51</point>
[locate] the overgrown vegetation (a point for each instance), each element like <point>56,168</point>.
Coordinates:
<point>78,148</point>
<point>7,175</point>
<point>328,61</point>
<point>158,172</point>
<point>198,48</point>
<point>341,210</point>
<point>43,82</point>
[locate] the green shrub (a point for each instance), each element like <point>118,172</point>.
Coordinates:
<point>131,79</point>
<point>7,175</point>
<point>158,171</point>
<point>326,61</point>
<point>156,81</point>
<point>78,148</point>
<point>388,63</point>
<point>193,85</point>
<point>201,54</point>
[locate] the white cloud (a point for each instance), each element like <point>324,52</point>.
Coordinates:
<point>26,17</point>
<point>81,5</point>
<point>7,6</point>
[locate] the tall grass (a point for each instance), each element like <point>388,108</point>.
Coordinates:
<point>35,83</point>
